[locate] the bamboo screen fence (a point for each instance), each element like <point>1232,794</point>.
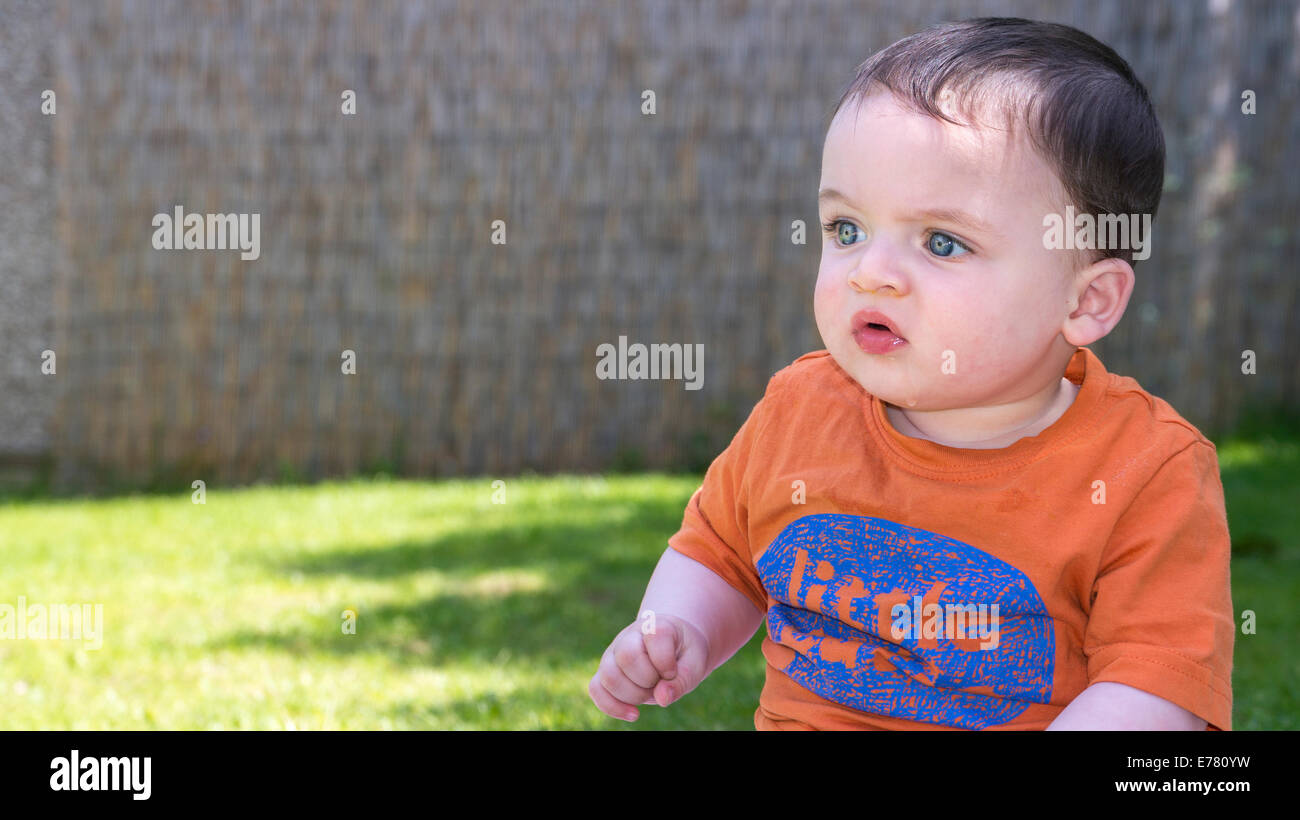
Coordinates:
<point>475,358</point>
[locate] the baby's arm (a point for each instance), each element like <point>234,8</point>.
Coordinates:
<point>686,588</point>
<point>699,621</point>
<point>1109,705</point>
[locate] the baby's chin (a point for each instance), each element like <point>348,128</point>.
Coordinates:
<point>888,386</point>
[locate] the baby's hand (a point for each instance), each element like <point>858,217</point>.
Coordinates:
<point>654,660</point>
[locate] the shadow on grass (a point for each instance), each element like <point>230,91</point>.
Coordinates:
<point>607,529</point>
<point>590,578</point>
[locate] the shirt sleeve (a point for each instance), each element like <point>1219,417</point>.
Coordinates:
<point>1162,618</point>
<point>715,527</point>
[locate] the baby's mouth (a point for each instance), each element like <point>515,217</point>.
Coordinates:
<point>873,321</point>
<point>874,334</point>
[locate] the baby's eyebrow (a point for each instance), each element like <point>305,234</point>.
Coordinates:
<point>827,194</point>
<point>958,217</point>
<point>955,216</point>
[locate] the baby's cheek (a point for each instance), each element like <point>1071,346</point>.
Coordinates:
<point>831,288</point>
<point>823,302</point>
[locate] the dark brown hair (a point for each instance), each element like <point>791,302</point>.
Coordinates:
<point>1085,110</point>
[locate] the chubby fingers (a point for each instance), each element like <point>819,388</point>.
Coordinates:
<point>609,704</point>
<point>616,694</point>
<point>662,646</point>
<point>631,657</point>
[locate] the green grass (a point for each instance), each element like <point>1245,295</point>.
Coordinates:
<point>1261,484</point>
<point>470,615</point>
<point>228,615</point>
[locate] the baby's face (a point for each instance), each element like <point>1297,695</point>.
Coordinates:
<point>941,230</point>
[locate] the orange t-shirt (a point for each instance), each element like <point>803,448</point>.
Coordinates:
<point>911,585</point>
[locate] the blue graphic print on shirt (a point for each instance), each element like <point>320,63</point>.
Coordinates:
<point>853,598</point>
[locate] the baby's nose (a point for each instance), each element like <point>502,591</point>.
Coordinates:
<point>878,267</point>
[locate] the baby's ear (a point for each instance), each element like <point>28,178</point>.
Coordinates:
<point>1102,292</point>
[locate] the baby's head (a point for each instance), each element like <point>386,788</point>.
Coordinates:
<point>944,161</point>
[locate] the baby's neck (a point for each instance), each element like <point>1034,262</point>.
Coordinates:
<point>1044,410</point>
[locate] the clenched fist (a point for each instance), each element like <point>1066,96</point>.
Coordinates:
<point>654,660</point>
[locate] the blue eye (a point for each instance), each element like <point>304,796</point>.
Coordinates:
<point>941,244</point>
<point>837,228</point>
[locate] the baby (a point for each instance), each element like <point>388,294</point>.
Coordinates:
<point>954,517</point>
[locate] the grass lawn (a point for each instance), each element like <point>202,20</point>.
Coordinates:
<point>470,615</point>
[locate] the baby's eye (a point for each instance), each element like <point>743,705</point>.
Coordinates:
<point>941,244</point>
<point>842,231</point>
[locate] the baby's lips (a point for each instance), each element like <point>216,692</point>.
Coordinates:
<point>865,317</point>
